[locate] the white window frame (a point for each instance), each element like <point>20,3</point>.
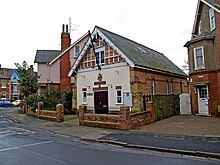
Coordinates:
<point>212,18</point>
<point>4,84</point>
<point>200,27</point>
<point>78,47</point>
<point>117,96</point>
<point>99,51</point>
<point>195,58</point>
<point>167,87</point>
<point>153,86</point>
<point>84,97</point>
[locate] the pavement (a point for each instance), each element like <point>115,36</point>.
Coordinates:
<point>183,134</point>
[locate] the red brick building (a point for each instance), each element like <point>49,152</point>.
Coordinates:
<point>204,59</point>
<point>9,84</point>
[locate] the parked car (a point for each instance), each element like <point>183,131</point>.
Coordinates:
<point>5,104</point>
<point>16,103</point>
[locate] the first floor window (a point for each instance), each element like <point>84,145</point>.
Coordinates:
<point>171,87</point>
<point>3,84</point>
<point>199,57</point>
<point>100,56</point>
<point>84,93</point>
<point>153,87</point>
<point>77,51</point>
<point>119,97</point>
<point>212,19</point>
<point>167,87</point>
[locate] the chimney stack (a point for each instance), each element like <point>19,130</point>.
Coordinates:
<point>65,38</point>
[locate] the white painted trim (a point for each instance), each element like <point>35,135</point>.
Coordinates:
<point>82,53</point>
<point>216,9</point>
<point>115,48</point>
<point>194,54</point>
<point>71,46</point>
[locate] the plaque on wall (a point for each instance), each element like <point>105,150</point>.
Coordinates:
<point>127,97</point>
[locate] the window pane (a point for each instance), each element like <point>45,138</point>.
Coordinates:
<point>76,51</point>
<point>97,57</point>
<point>199,57</point>
<point>102,57</point>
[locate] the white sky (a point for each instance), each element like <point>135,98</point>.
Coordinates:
<point>28,25</point>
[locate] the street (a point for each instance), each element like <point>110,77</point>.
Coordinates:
<point>23,145</point>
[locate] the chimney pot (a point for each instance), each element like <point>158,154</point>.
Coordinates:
<point>66,28</point>
<point>63,28</point>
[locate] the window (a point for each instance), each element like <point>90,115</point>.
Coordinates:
<point>199,58</point>
<point>76,51</point>
<point>3,84</point>
<point>212,19</point>
<point>181,87</point>
<point>119,97</point>
<point>84,99</point>
<point>100,56</point>
<point>153,87</point>
<point>200,27</point>
<point>171,87</point>
<point>167,87</point>
<point>3,95</point>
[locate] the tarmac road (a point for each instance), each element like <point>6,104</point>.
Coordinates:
<point>23,145</point>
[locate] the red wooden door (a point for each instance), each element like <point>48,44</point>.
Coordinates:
<point>101,102</point>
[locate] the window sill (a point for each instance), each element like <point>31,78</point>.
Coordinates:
<point>200,68</point>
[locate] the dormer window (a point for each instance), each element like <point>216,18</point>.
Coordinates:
<point>200,27</point>
<point>212,19</point>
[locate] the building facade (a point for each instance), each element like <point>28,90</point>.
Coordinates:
<point>54,65</point>
<point>9,84</point>
<point>204,59</point>
<point>112,70</point>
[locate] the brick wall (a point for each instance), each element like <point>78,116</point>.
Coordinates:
<point>126,120</point>
<point>141,84</point>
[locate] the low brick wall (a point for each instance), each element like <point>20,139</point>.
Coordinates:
<point>51,115</point>
<point>57,116</point>
<point>125,120</point>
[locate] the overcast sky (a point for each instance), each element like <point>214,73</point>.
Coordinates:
<point>30,25</point>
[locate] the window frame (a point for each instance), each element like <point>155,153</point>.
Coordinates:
<point>200,27</point>
<point>195,58</point>
<point>212,19</point>
<point>117,96</point>
<point>3,94</point>
<point>84,97</point>
<point>77,47</point>
<point>98,56</point>
<point>5,84</point>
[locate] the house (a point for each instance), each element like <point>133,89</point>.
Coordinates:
<point>204,59</point>
<point>54,65</point>
<point>9,84</point>
<point>112,70</point>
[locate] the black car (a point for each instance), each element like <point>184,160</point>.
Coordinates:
<point>5,104</point>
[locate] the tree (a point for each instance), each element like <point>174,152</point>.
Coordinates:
<point>185,67</point>
<point>28,79</point>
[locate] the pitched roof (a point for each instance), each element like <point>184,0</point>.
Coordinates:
<point>46,56</point>
<point>137,55</point>
<point>141,55</point>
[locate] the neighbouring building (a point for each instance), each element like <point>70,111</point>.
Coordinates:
<point>9,84</point>
<point>204,59</point>
<point>54,65</point>
<point>112,70</point>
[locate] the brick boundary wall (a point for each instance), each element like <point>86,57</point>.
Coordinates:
<point>56,116</point>
<point>125,120</point>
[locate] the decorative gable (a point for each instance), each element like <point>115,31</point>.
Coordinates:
<point>102,54</point>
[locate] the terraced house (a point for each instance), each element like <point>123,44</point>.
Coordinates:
<point>112,70</point>
<point>9,84</point>
<point>204,59</point>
